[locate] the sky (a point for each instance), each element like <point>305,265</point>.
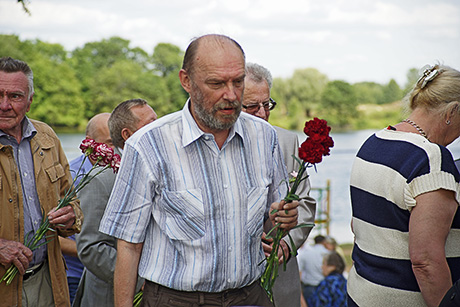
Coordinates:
<point>350,40</point>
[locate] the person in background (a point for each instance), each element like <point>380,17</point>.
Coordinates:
<point>98,130</point>
<point>257,102</point>
<point>310,265</point>
<point>331,244</point>
<point>34,175</point>
<point>96,250</point>
<point>194,189</point>
<point>405,195</point>
<point>332,290</point>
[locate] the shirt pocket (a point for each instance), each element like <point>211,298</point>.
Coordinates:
<point>257,206</point>
<point>55,172</point>
<point>184,214</point>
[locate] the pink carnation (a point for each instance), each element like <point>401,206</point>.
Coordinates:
<point>87,144</point>
<point>115,163</point>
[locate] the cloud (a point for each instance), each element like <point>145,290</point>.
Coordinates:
<point>347,39</point>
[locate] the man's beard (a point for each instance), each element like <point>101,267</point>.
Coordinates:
<point>208,117</point>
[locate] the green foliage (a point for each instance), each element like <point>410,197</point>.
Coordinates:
<point>368,93</point>
<point>391,92</point>
<point>167,58</point>
<point>300,97</point>
<point>72,86</point>
<point>412,77</point>
<point>339,103</point>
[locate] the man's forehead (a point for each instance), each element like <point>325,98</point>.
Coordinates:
<point>214,57</point>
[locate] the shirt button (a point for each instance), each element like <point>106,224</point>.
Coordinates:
<point>225,186</point>
<point>229,280</point>
<point>25,174</point>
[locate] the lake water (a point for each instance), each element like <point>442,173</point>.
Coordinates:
<point>336,168</point>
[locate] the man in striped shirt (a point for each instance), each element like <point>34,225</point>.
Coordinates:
<point>194,190</point>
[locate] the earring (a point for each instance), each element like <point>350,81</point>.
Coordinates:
<point>447,122</point>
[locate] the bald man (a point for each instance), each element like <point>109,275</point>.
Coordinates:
<point>194,189</point>
<point>98,130</point>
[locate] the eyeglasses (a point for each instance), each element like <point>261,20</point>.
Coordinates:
<point>255,107</point>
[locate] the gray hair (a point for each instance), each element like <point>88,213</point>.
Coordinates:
<point>258,74</point>
<point>436,92</point>
<point>121,118</point>
<point>10,65</point>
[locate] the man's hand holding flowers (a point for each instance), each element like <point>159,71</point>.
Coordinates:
<point>62,218</point>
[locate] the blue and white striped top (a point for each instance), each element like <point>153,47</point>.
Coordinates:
<point>390,170</point>
<point>199,210</point>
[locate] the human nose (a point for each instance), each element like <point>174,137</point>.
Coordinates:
<point>261,112</point>
<point>230,92</point>
<point>4,102</point>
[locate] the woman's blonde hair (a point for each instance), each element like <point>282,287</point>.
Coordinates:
<point>437,88</point>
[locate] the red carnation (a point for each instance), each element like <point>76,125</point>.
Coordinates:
<point>316,127</point>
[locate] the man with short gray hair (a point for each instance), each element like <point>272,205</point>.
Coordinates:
<point>257,101</point>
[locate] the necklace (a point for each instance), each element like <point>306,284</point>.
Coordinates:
<point>420,130</point>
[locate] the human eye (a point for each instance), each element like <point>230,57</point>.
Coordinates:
<point>16,96</point>
<point>239,82</point>
<point>215,84</point>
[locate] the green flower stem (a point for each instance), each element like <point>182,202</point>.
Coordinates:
<point>271,269</point>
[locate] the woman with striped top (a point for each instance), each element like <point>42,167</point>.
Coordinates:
<point>405,193</point>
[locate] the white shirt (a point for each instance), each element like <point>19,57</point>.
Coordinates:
<point>198,209</point>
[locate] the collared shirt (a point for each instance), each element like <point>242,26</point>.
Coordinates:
<point>74,265</point>
<point>31,203</point>
<point>76,167</point>
<point>198,209</point>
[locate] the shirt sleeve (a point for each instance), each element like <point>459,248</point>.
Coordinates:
<point>129,209</point>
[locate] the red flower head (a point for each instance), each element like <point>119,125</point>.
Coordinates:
<point>316,127</point>
<point>318,143</point>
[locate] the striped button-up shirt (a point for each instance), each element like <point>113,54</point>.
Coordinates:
<point>198,209</point>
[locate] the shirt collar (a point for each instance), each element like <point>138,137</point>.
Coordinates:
<point>191,131</point>
<point>28,129</point>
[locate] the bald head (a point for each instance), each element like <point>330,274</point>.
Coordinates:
<point>206,42</point>
<point>98,129</point>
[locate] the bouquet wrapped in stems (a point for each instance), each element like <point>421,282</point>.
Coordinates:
<point>317,145</point>
<point>103,156</point>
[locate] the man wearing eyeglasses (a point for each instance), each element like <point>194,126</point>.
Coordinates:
<point>257,101</point>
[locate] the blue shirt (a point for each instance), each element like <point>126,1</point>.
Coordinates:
<point>31,204</point>
<point>198,209</point>
<point>77,168</point>
<point>74,265</point>
<point>331,292</point>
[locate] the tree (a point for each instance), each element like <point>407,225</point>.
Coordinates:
<point>368,93</point>
<point>339,103</point>
<point>298,97</point>
<point>412,77</point>
<point>167,58</point>
<point>392,92</point>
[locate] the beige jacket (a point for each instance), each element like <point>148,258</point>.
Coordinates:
<point>52,177</point>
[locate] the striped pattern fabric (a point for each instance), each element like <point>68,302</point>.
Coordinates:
<point>390,170</point>
<point>199,210</point>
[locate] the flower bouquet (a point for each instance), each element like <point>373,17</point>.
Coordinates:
<point>103,156</point>
<point>317,145</point>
